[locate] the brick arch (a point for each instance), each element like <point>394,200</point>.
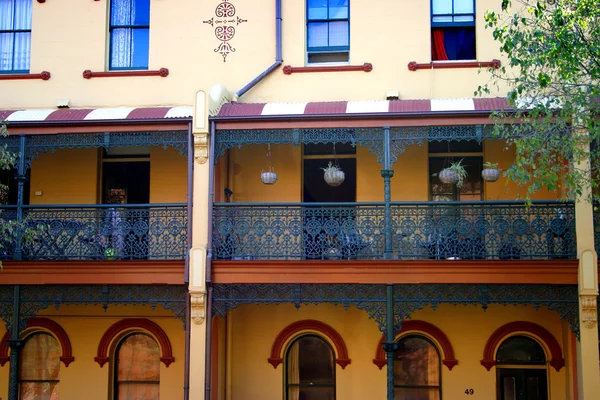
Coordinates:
<point>295,328</point>
<point>133,324</point>
<point>424,327</point>
<point>36,325</point>
<point>511,329</point>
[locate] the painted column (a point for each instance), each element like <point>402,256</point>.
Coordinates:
<point>387,173</point>
<point>15,344</point>
<point>390,346</point>
<point>21,178</point>
<point>588,371</point>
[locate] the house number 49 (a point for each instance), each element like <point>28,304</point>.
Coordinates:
<point>469,392</point>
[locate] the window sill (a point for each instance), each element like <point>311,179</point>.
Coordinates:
<point>366,67</point>
<point>88,74</point>
<point>414,66</point>
<point>44,75</point>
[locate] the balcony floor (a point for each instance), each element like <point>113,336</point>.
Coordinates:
<point>396,272</point>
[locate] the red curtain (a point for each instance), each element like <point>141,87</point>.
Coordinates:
<point>438,51</point>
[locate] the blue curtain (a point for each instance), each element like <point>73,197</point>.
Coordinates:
<point>129,20</point>
<point>460,43</point>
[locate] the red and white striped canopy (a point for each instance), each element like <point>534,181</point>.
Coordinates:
<point>234,110</point>
<point>96,114</point>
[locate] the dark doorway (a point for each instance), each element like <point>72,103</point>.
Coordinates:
<point>8,193</point>
<point>126,182</point>
<point>522,384</point>
<point>316,190</point>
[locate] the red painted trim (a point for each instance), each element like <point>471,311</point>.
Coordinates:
<point>366,67</point>
<point>414,66</point>
<point>295,328</point>
<point>425,327</point>
<point>89,74</point>
<point>44,75</point>
<point>489,353</point>
<point>4,349</point>
<point>35,325</point>
<point>134,324</point>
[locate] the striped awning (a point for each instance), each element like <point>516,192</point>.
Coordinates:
<point>379,107</point>
<point>96,114</point>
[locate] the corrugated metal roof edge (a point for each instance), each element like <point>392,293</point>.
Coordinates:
<point>94,122</point>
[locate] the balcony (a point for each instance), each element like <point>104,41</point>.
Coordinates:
<point>485,230</point>
<point>98,232</point>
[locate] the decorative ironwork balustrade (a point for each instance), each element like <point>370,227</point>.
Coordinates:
<point>419,231</point>
<point>98,232</point>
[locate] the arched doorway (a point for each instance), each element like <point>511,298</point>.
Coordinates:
<point>521,370</point>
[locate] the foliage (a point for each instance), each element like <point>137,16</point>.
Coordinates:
<point>459,169</point>
<point>490,165</point>
<point>7,159</point>
<point>552,68</point>
<point>331,167</point>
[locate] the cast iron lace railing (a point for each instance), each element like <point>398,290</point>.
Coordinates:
<point>99,232</point>
<point>420,231</point>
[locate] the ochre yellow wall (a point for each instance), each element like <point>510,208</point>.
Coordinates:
<point>403,35</point>
<point>410,182</point>
<point>72,176</point>
<point>68,176</point>
<point>85,327</point>
<point>496,151</point>
<point>467,327</point>
<point>168,176</point>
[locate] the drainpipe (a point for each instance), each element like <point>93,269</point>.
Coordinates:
<point>190,192</point>
<point>278,57</point>
<point>209,252</point>
<point>16,344</point>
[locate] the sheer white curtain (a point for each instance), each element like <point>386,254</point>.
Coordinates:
<point>15,46</point>
<point>122,12</point>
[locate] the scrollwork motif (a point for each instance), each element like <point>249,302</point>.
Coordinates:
<point>589,311</point>
<point>201,147</point>
<point>197,301</point>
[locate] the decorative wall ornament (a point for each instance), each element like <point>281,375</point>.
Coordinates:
<point>224,22</point>
<point>197,301</point>
<point>589,311</point>
<point>201,147</point>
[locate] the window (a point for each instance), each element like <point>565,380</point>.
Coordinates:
<point>15,35</point>
<point>417,370</point>
<point>328,31</point>
<point>137,368</point>
<point>310,370</point>
<point>129,34</point>
<point>452,30</point>
<point>39,371</point>
<point>441,155</point>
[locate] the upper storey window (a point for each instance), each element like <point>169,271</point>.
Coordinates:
<point>15,35</point>
<point>452,30</point>
<point>328,31</point>
<point>129,32</point>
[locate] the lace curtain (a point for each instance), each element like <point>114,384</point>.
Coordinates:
<point>39,372</point>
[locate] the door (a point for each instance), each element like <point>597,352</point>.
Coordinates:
<point>522,384</point>
<point>126,230</point>
<point>324,236</point>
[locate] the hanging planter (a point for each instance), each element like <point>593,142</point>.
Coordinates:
<point>490,172</point>
<point>333,175</point>
<point>268,177</point>
<point>454,174</point>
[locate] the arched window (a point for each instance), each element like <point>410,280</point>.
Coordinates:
<point>39,370</point>
<point>417,370</point>
<point>310,369</point>
<point>512,378</point>
<point>137,368</point>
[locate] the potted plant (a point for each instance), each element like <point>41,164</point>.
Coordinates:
<point>334,176</point>
<point>490,172</point>
<point>454,174</point>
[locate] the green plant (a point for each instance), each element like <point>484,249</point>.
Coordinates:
<point>331,168</point>
<point>490,165</point>
<point>459,169</point>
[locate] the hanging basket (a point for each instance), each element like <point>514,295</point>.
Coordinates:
<point>448,176</point>
<point>333,175</point>
<point>268,177</point>
<point>490,174</point>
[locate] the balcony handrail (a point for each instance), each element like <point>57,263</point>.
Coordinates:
<point>398,203</point>
<point>144,205</point>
